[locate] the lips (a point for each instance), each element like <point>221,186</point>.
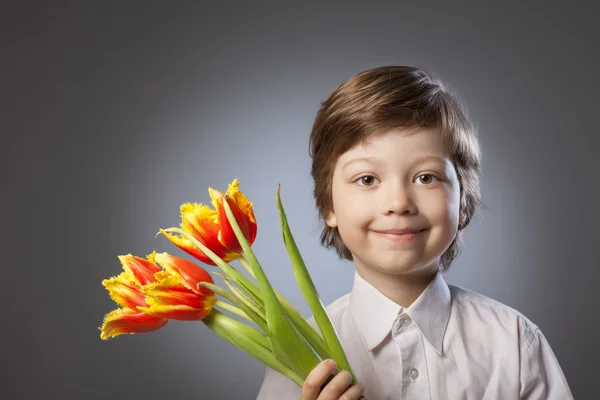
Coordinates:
<point>405,235</point>
<point>401,231</point>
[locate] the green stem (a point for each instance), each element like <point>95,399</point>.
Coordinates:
<point>258,308</point>
<point>233,309</point>
<point>256,318</point>
<point>248,339</point>
<point>246,265</point>
<point>286,340</point>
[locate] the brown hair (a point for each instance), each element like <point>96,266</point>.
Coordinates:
<point>388,97</point>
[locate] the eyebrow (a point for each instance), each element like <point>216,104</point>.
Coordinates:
<point>376,160</point>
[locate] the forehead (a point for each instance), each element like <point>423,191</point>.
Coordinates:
<point>407,144</point>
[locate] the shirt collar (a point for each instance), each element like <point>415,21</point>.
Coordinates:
<point>430,311</point>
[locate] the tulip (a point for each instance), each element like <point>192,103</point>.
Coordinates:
<point>125,290</point>
<point>150,296</point>
<point>210,226</point>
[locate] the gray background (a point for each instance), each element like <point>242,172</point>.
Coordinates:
<point>115,114</point>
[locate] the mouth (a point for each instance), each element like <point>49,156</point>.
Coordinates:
<point>399,236</point>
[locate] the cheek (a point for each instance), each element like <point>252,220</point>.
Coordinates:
<point>442,209</point>
<point>351,215</point>
<point>350,211</point>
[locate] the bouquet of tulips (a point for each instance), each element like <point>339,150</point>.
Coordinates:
<point>160,287</point>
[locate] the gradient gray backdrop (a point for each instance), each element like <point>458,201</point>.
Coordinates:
<point>115,114</point>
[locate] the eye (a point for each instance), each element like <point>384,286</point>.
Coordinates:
<point>428,180</point>
<point>366,180</point>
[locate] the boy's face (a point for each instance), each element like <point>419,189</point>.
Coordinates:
<point>400,180</point>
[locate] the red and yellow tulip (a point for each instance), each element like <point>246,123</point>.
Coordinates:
<point>211,228</point>
<point>125,290</point>
<point>150,296</point>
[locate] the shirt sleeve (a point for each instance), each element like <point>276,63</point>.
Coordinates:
<point>277,386</point>
<point>541,375</point>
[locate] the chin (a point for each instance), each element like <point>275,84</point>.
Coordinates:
<point>393,267</point>
<point>401,265</point>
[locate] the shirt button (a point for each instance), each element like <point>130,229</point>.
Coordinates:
<point>405,320</point>
<point>413,373</point>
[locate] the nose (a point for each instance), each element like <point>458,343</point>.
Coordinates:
<point>398,199</point>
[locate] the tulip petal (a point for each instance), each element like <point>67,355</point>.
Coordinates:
<point>142,270</point>
<point>190,273</point>
<point>242,209</point>
<point>171,291</point>
<point>202,222</point>
<point>225,236</point>
<point>181,313</point>
<point>124,291</point>
<point>245,207</point>
<point>125,320</point>
<point>187,246</point>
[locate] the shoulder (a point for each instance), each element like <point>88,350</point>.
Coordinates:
<point>338,305</point>
<point>509,340</point>
<point>467,300</point>
<point>482,311</point>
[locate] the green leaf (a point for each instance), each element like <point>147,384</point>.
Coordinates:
<point>310,293</point>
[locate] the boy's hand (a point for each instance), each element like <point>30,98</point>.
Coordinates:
<point>336,389</point>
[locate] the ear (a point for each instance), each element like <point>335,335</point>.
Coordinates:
<point>331,220</point>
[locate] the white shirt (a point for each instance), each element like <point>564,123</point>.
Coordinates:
<point>451,343</point>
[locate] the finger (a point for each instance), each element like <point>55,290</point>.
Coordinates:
<point>316,378</point>
<point>337,386</point>
<point>354,392</point>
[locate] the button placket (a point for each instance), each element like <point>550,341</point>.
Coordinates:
<point>415,380</point>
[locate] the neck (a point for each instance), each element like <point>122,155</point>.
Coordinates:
<point>403,289</point>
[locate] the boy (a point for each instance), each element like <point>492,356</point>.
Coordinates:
<point>395,167</point>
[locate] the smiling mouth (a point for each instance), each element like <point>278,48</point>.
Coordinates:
<point>399,237</point>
